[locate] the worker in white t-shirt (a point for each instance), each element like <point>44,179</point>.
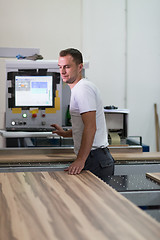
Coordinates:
<point>89,130</point>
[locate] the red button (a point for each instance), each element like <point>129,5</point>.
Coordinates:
<point>34,115</point>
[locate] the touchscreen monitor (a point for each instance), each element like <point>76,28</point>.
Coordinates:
<point>33,91</point>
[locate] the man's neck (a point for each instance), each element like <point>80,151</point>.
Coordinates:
<point>75,82</point>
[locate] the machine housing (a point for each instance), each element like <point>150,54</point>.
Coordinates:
<point>33,95</point>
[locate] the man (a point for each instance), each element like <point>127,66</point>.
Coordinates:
<point>88,122</point>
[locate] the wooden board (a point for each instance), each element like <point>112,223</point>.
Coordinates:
<point>55,205</point>
<point>154,176</point>
<point>63,155</point>
<point>125,149</point>
<point>15,155</point>
<point>143,156</point>
<point>57,157</point>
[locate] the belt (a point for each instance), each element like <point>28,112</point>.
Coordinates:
<point>94,148</point>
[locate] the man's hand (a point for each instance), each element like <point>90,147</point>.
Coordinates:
<point>76,167</point>
<point>60,132</point>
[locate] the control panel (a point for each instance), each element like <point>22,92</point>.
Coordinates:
<point>34,95</point>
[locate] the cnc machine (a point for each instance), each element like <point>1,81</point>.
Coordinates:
<point>33,95</point>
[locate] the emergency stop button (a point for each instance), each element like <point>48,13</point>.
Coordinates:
<point>34,115</point>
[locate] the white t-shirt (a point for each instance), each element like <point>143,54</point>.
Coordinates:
<point>85,97</point>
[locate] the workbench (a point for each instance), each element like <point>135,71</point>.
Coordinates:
<point>55,205</point>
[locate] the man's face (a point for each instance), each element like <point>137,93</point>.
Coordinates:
<point>69,70</point>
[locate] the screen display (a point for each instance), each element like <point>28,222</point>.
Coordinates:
<point>33,91</point>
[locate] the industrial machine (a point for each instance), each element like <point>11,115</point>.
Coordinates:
<point>35,98</point>
<point>34,95</point>
<point>129,177</point>
<point>117,123</point>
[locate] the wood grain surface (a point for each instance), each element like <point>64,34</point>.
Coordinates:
<point>58,206</point>
<point>61,155</point>
<point>137,156</point>
<point>154,176</point>
<point>57,157</point>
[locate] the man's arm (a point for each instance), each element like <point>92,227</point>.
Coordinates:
<point>89,120</point>
<point>59,131</point>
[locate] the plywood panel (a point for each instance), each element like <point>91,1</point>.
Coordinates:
<point>62,156</point>
<point>57,157</point>
<point>154,176</point>
<point>55,205</point>
<point>137,156</point>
